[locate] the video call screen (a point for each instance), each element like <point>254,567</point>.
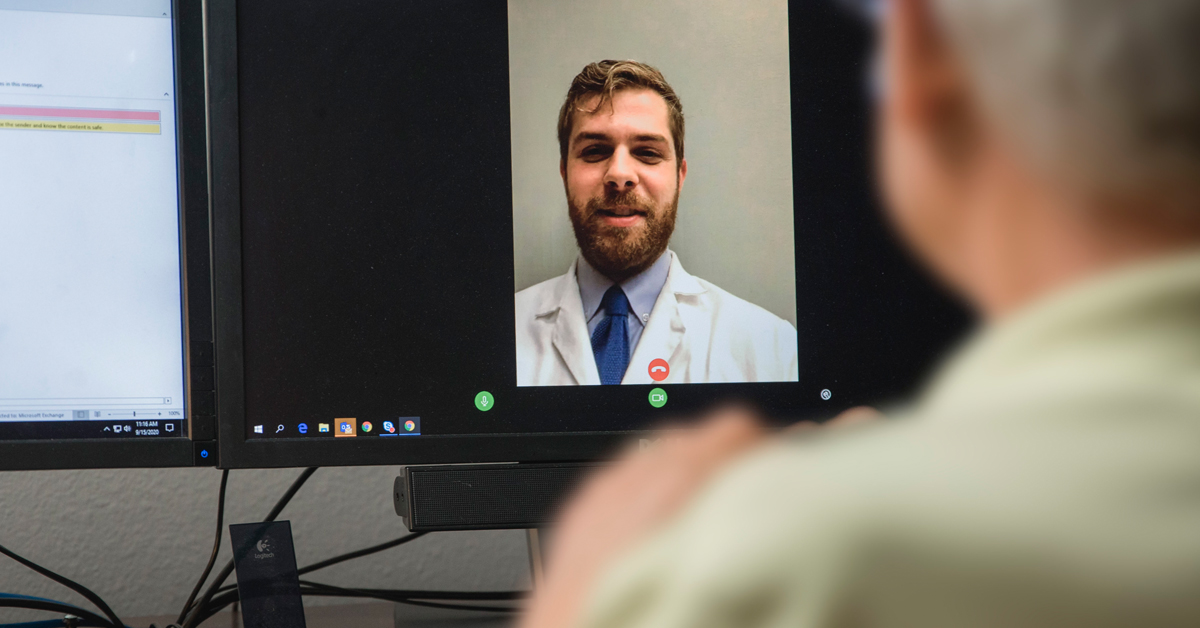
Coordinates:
<point>488,217</point>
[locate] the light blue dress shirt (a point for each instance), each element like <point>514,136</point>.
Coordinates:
<point>642,290</point>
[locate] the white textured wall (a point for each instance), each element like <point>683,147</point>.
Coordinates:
<point>139,538</point>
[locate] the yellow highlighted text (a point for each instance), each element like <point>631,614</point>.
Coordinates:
<point>89,127</point>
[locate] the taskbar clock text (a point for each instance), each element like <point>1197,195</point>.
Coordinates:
<point>76,430</point>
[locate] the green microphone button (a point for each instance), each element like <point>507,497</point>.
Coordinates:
<point>484,401</point>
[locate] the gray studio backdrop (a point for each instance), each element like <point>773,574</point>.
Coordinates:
<point>728,61</point>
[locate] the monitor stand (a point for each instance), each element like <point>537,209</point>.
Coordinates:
<point>481,497</point>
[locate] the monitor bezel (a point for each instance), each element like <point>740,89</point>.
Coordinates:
<point>192,155</point>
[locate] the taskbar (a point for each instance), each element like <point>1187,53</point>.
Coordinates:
<point>74,430</point>
<point>392,427</point>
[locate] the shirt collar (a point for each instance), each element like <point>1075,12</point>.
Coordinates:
<point>642,289</point>
<point>1137,313</point>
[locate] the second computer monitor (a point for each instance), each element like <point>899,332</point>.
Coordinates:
<point>104,307</point>
<point>519,231</point>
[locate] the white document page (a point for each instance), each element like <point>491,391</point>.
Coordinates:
<point>91,322</point>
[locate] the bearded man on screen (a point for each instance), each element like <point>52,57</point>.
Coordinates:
<point>626,302</point>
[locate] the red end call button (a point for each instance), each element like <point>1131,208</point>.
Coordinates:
<point>659,370</point>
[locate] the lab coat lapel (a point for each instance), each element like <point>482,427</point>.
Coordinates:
<point>570,335</point>
<point>664,333</point>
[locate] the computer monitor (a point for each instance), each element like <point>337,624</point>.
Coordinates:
<point>418,233</point>
<point>104,270</point>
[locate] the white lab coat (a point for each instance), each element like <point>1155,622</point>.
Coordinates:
<point>706,334</point>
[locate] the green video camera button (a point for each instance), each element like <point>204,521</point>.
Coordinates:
<point>658,397</point>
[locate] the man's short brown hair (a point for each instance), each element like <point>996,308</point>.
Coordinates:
<point>608,77</point>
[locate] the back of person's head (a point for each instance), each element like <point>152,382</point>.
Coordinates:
<point>1103,92</point>
<point>1027,144</point>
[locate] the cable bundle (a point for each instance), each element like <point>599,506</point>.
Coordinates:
<point>219,596</point>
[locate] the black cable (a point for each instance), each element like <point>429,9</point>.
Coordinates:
<point>458,596</point>
<point>91,618</point>
<point>417,598</point>
<point>212,558</point>
<point>459,607</point>
<point>348,556</point>
<point>228,569</point>
<point>325,563</point>
<point>230,596</point>
<point>275,510</point>
<point>216,599</point>
<point>291,492</point>
<point>216,605</point>
<point>66,582</point>
<point>360,553</point>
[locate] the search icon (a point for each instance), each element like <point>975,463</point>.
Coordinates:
<point>279,429</point>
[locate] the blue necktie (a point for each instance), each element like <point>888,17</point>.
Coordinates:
<point>610,341</point>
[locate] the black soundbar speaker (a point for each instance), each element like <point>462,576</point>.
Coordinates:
<point>484,496</point>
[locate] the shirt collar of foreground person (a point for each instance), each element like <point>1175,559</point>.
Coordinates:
<point>1046,478</point>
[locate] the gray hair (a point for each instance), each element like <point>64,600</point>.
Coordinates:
<point>1106,92</point>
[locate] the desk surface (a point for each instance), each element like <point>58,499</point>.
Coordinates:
<point>375,615</point>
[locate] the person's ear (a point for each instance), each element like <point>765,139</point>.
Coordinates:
<point>562,169</point>
<point>928,84</point>
<point>682,173</point>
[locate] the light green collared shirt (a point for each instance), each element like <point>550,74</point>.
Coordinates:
<point>1049,476</point>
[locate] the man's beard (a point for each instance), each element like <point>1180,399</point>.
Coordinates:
<point>622,252</point>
